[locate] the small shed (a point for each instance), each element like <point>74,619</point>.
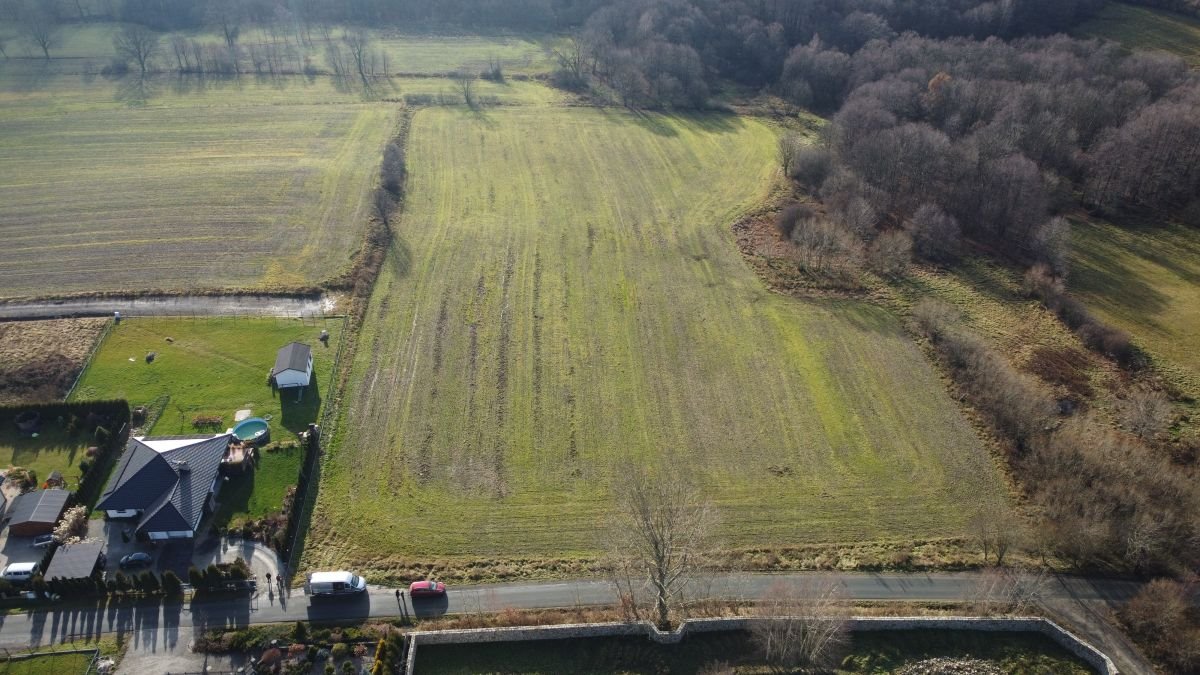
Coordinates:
<point>293,366</point>
<point>76,561</point>
<point>36,512</point>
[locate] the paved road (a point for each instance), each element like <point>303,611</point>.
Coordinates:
<point>151,627</point>
<point>185,305</point>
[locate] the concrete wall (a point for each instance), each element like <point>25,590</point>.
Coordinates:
<point>1089,654</point>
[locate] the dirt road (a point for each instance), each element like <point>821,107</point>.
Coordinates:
<point>185,305</point>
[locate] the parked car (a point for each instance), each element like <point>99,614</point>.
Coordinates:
<point>19,572</point>
<point>43,540</point>
<point>426,589</point>
<point>139,559</point>
<point>326,584</point>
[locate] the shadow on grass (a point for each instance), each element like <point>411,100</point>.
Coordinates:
<point>1098,271</point>
<point>300,405</point>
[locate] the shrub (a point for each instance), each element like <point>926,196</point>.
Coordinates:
<point>890,253</point>
<point>73,526</point>
<point>786,221</point>
<point>300,632</point>
<point>810,165</point>
<point>172,585</point>
<point>339,651</point>
<point>936,234</point>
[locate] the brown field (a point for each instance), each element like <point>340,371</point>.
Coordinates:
<point>40,359</point>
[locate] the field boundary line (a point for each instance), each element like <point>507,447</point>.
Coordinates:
<point>108,326</point>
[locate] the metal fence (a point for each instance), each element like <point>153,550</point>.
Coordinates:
<point>108,325</point>
<point>302,510</point>
<point>9,658</point>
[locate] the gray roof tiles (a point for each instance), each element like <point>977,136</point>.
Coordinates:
<point>293,356</point>
<point>75,561</point>
<point>170,488</point>
<point>39,506</point>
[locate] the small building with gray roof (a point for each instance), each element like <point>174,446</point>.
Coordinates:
<point>36,512</point>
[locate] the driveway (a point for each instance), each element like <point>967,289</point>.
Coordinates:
<point>262,559</point>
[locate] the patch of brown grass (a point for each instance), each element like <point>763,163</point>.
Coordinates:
<point>39,360</point>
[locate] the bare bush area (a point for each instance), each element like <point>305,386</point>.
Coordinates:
<point>1161,617</point>
<point>40,359</point>
<point>1109,499</point>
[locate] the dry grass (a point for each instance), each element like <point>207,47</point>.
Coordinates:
<point>39,360</point>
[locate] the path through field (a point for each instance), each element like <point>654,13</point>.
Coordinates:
<point>565,296</point>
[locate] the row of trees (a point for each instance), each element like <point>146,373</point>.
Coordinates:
<point>996,134</point>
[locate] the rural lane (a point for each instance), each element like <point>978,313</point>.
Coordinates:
<point>163,629</point>
<point>183,305</point>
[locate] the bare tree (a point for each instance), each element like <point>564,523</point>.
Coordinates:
<point>997,530</point>
<point>1145,412</point>
<point>999,591</point>
<point>42,29</point>
<point>137,43</point>
<point>358,42</point>
<point>466,87</point>
<point>572,63</point>
<point>890,253</point>
<point>2,52</point>
<point>662,534</point>
<point>801,625</point>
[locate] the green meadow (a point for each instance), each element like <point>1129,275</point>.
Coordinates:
<point>564,296</point>
<point>1145,28</point>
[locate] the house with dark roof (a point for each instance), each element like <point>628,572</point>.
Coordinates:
<point>293,366</point>
<point>36,512</point>
<point>166,484</point>
<point>76,561</point>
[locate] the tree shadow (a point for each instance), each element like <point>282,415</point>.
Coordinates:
<point>136,91</point>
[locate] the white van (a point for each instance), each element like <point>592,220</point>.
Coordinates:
<point>325,584</point>
<point>20,573</point>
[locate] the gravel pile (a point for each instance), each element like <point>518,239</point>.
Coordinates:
<point>947,666</point>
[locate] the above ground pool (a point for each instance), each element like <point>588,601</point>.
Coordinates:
<point>253,430</point>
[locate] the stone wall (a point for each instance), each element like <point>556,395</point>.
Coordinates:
<point>1089,654</point>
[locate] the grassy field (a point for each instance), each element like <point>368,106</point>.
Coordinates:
<point>1145,28</point>
<point>422,54</point>
<point>216,367</point>
<point>233,196</point>
<point>565,295</point>
<point>874,654</point>
<point>48,664</point>
<point>1144,278</point>
<point>211,367</point>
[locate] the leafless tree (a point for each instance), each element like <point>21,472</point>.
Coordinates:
<point>136,43</point>
<point>662,534</point>
<point>890,253</point>
<point>996,528</point>
<point>1000,591</point>
<point>358,43</point>
<point>801,625</point>
<point>2,52</point>
<point>572,63</point>
<point>42,29</point>
<point>466,86</point>
<point>226,16</point>
<point>1145,412</point>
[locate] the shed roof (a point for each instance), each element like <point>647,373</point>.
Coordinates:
<point>75,561</point>
<point>39,506</point>
<point>293,356</point>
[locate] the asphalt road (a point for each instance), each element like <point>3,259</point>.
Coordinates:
<point>172,626</point>
<point>183,305</point>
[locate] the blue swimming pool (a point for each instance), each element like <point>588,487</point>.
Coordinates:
<point>254,430</point>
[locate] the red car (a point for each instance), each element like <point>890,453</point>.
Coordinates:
<point>426,589</point>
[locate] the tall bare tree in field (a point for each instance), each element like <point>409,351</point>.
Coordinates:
<point>138,44</point>
<point>661,536</point>
<point>466,86</point>
<point>42,29</point>
<point>358,42</point>
<point>801,625</point>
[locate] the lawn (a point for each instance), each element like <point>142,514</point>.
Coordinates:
<point>1144,278</point>
<point>48,664</point>
<point>53,450</point>
<point>565,295</point>
<point>216,367</point>
<point>1146,28</point>
<point>874,654</point>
